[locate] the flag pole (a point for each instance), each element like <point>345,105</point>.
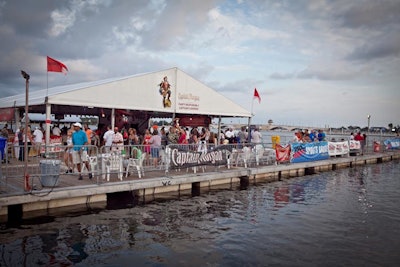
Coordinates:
<point>248,126</point>
<point>47,83</point>
<point>47,76</point>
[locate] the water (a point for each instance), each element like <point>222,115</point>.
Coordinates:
<point>349,217</point>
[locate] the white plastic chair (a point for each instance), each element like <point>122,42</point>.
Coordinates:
<point>93,164</point>
<point>114,163</point>
<point>244,156</point>
<point>137,164</point>
<point>259,153</point>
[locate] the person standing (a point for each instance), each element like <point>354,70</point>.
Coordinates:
<point>68,152</point>
<point>360,138</point>
<point>108,139</point>
<point>365,141</point>
<point>146,139</point>
<point>155,146</point>
<point>164,138</point>
<point>117,141</point>
<point>21,154</point>
<point>37,139</point>
<point>321,135</point>
<point>56,130</point>
<point>4,131</point>
<point>230,135</point>
<point>256,136</point>
<point>242,135</point>
<point>80,154</point>
<point>89,134</point>
<point>173,135</point>
<point>182,137</point>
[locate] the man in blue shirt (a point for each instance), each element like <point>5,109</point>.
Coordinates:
<point>321,135</point>
<point>79,153</point>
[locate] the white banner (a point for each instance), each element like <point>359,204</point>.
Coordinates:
<point>354,145</point>
<point>338,148</point>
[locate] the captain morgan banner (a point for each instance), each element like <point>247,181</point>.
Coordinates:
<point>184,157</point>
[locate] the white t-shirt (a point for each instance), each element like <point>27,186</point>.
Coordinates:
<point>256,137</point>
<point>38,136</point>
<point>108,137</point>
<point>56,131</point>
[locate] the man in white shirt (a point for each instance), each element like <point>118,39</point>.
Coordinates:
<point>117,140</point>
<point>256,136</point>
<point>56,130</point>
<point>229,135</point>
<point>108,139</point>
<point>37,139</point>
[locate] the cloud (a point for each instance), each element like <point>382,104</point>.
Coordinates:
<point>377,48</point>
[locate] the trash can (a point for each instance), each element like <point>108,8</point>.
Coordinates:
<point>377,146</point>
<point>3,143</point>
<point>50,172</point>
<point>276,139</point>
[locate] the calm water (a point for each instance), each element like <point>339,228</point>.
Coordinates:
<point>349,217</point>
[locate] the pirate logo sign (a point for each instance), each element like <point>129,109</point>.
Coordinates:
<point>165,92</point>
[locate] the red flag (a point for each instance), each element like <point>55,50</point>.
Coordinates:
<point>55,66</point>
<point>256,95</point>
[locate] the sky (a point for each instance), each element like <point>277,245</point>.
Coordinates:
<point>314,62</point>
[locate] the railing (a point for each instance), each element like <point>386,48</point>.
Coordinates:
<point>150,159</point>
<point>108,164</point>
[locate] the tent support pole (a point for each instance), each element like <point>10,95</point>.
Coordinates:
<point>48,121</point>
<point>112,118</point>
<point>219,131</point>
<point>249,130</point>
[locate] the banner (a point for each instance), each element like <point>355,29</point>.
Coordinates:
<point>55,145</point>
<point>6,114</point>
<point>183,157</point>
<point>282,153</point>
<point>393,143</point>
<point>338,148</point>
<point>305,152</point>
<point>354,145</point>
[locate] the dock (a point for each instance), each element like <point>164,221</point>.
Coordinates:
<point>71,192</point>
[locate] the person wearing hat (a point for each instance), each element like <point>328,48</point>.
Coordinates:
<point>79,153</point>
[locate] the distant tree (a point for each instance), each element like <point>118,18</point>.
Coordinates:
<point>390,125</point>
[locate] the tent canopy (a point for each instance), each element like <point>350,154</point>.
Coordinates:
<point>141,92</point>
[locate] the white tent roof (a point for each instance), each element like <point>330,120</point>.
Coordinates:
<point>37,117</point>
<point>138,92</point>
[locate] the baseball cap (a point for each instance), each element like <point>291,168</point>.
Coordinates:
<point>78,124</point>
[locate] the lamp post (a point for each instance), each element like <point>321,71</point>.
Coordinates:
<point>369,118</point>
<point>26,175</point>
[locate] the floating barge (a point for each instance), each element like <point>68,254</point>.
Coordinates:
<point>72,193</point>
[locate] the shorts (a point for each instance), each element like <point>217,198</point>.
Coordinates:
<point>155,152</point>
<point>78,158</point>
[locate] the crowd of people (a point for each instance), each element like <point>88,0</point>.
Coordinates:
<point>307,136</point>
<point>81,141</point>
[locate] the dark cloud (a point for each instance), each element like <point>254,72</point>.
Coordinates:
<point>371,14</point>
<point>28,18</point>
<point>384,46</point>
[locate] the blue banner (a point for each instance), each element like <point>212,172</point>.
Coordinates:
<point>393,143</point>
<point>305,152</point>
